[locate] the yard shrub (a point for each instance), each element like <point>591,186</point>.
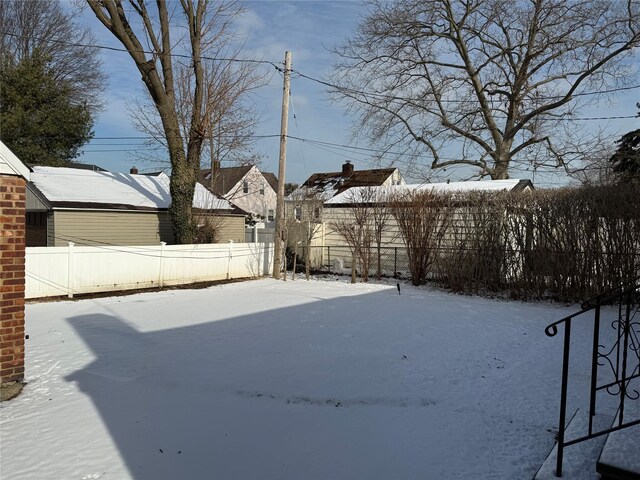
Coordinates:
<point>569,244</point>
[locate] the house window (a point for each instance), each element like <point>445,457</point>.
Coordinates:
<point>245,187</point>
<point>262,189</point>
<point>297,212</point>
<point>316,213</point>
<point>270,216</point>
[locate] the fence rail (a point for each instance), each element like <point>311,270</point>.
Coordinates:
<point>58,271</point>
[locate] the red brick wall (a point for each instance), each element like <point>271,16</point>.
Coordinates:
<point>12,244</point>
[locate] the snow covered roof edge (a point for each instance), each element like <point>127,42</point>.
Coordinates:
<point>349,195</point>
<point>73,188</point>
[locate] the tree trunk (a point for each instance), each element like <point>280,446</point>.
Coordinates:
<point>182,187</point>
<point>353,268</point>
<point>295,263</point>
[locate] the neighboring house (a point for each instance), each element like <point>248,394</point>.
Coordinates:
<point>246,187</point>
<point>107,208</point>
<point>327,185</point>
<point>304,207</point>
<point>343,206</point>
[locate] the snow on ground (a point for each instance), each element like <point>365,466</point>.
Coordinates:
<point>295,380</point>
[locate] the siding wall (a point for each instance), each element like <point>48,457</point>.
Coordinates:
<point>391,236</point>
<point>33,201</point>
<point>85,227</point>
<point>114,228</point>
<point>231,228</point>
<point>253,201</point>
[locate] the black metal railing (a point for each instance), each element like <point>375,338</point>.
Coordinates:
<point>615,364</point>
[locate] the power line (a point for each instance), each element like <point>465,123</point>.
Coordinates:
<point>147,52</point>
<point>317,80</point>
<point>393,97</point>
<point>364,149</point>
<point>137,137</point>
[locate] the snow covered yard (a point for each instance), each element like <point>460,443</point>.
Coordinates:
<point>295,380</point>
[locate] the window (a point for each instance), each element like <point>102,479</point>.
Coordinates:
<point>270,216</point>
<point>316,213</point>
<point>262,189</point>
<point>245,187</point>
<point>297,213</point>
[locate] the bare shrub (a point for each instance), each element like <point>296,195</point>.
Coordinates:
<point>355,227</point>
<point>568,244</point>
<point>423,220</point>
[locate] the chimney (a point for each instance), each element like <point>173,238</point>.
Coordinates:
<point>133,171</point>
<point>347,169</point>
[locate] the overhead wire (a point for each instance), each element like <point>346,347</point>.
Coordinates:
<point>295,119</point>
<point>279,68</point>
<point>446,100</point>
<point>146,52</point>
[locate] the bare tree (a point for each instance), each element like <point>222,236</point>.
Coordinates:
<point>147,36</point>
<point>42,27</point>
<point>305,219</point>
<point>230,115</point>
<point>595,168</point>
<point>424,219</point>
<point>354,225</point>
<point>500,79</point>
<point>380,217</point>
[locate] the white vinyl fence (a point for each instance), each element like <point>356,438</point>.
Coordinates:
<point>55,271</point>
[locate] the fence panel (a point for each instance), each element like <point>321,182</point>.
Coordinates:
<point>56,271</point>
<point>337,259</point>
<point>46,271</point>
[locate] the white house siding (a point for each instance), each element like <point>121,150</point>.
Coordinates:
<point>395,178</point>
<point>253,201</point>
<point>391,235</point>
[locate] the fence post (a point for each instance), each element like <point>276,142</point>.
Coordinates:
<point>229,259</point>
<point>161,271</point>
<point>395,262</point>
<point>70,265</point>
<point>329,257</point>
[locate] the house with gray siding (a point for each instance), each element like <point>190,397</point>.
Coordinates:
<point>109,208</point>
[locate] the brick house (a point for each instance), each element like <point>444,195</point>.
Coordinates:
<point>13,177</point>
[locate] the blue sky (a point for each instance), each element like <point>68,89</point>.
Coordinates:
<point>308,29</point>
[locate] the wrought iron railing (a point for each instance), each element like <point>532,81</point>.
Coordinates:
<point>618,358</point>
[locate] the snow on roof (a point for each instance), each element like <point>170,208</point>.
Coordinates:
<point>326,185</point>
<point>73,186</point>
<point>383,192</point>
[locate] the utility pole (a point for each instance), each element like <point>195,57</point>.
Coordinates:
<point>284,122</point>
